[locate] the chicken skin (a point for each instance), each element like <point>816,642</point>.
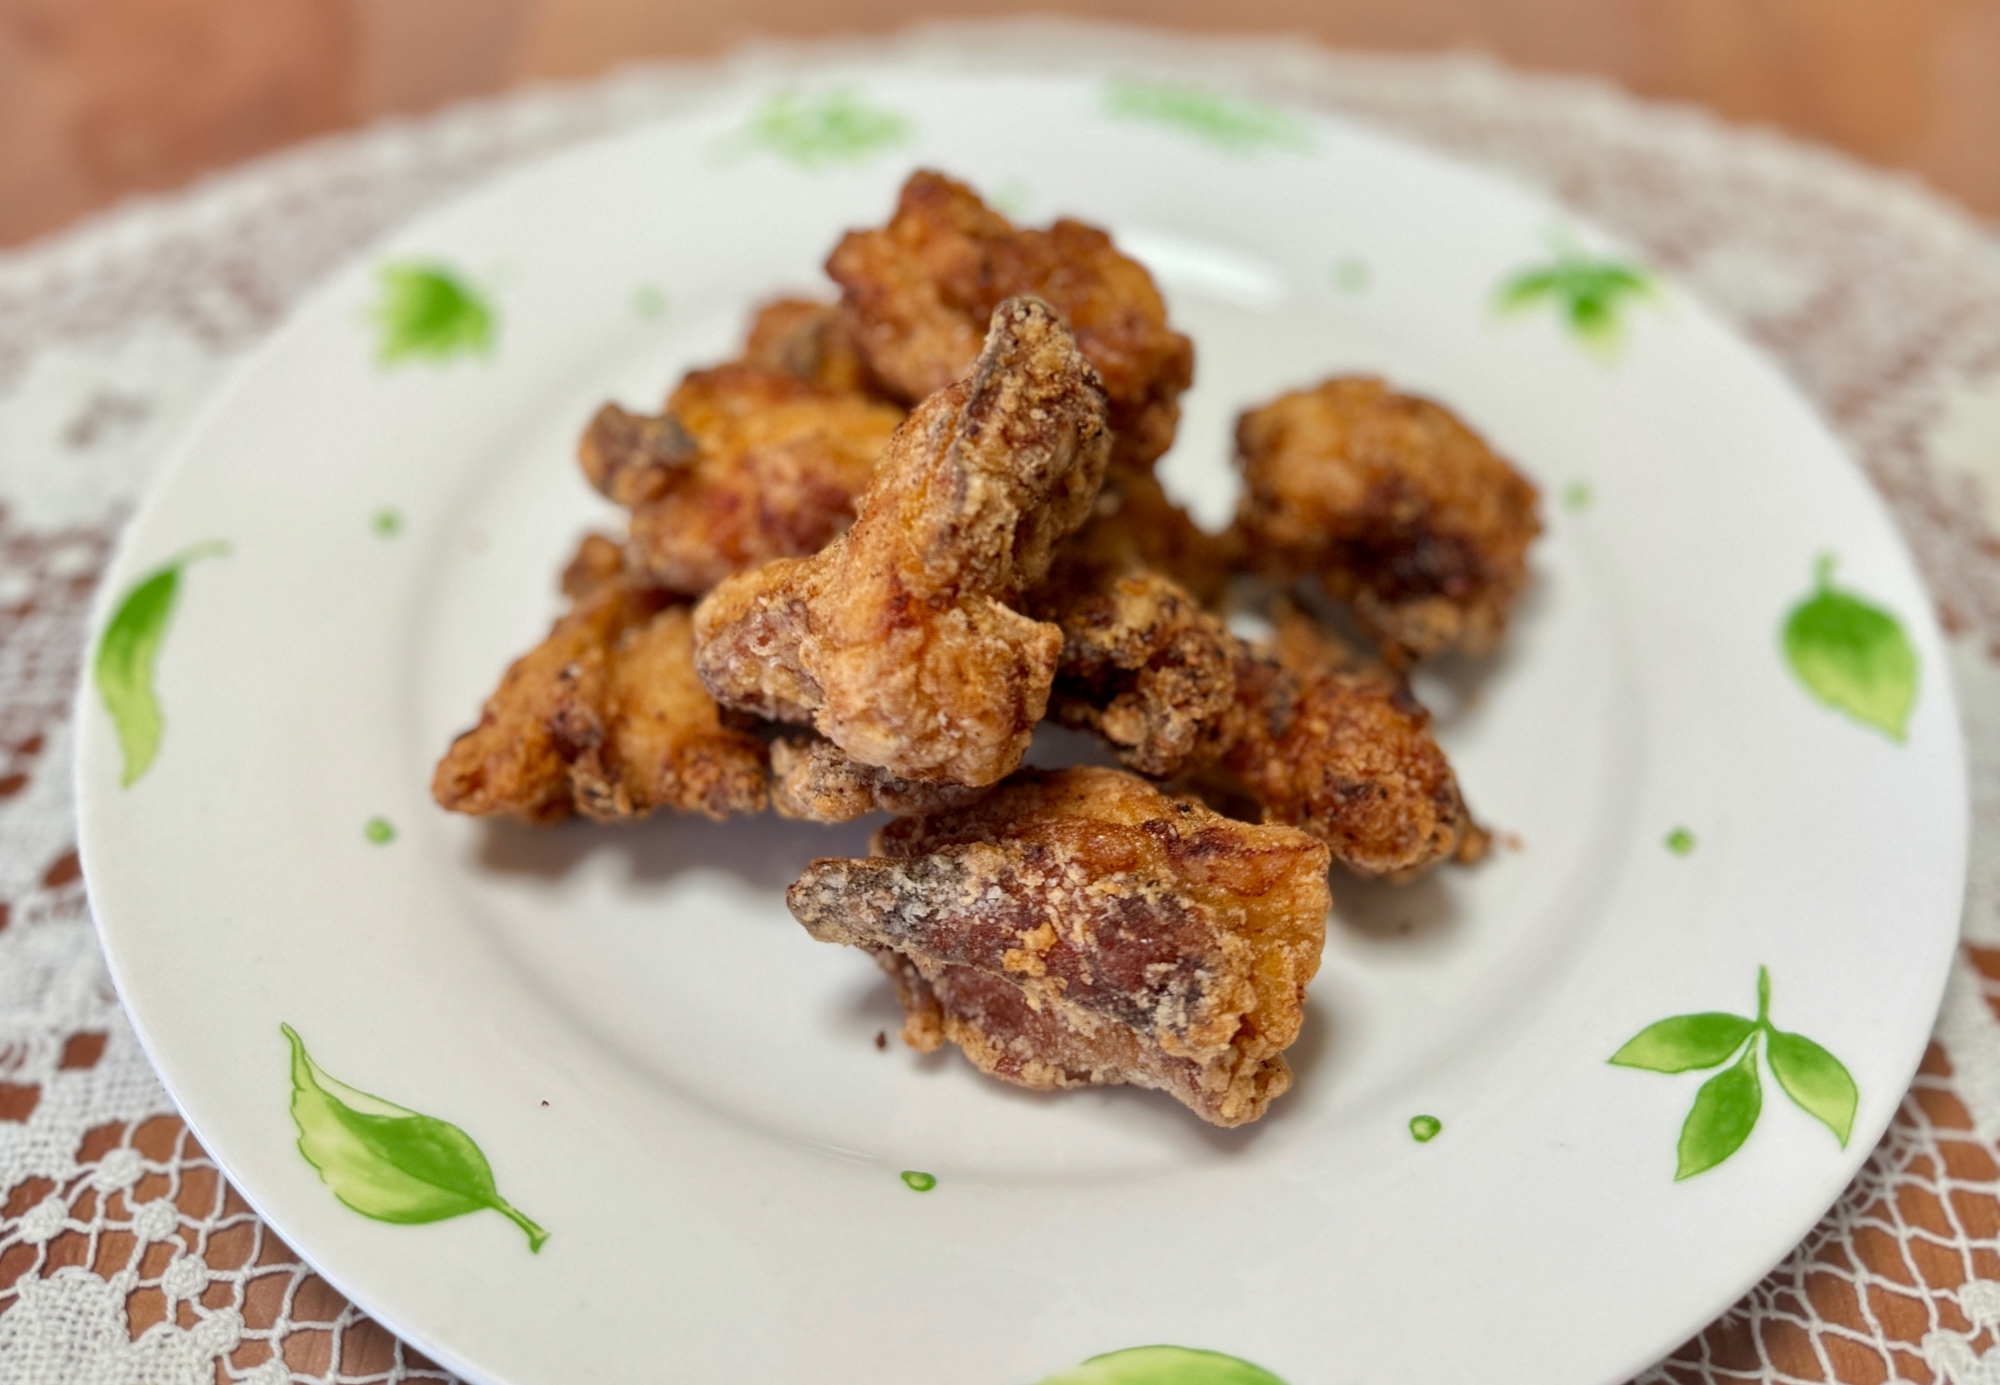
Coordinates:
<point>900,642</point>
<point>1082,928</point>
<point>605,717</point>
<point>1394,504</point>
<point>921,289</point>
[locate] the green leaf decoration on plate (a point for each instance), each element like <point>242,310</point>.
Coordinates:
<point>1589,295</point>
<point>1725,1112</point>
<point>1814,1079</point>
<point>1727,1106</point>
<point>816,130</point>
<point>123,670</point>
<point>386,1161</point>
<point>429,310</point>
<point>1685,1042</point>
<point>1852,655</point>
<point>1164,1366</point>
<point>1228,123</point>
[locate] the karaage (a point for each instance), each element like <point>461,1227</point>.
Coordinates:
<point>1399,508</point>
<point>900,641</point>
<point>813,779</point>
<point>605,717</point>
<point>1081,927</point>
<point>1334,745</point>
<point>1146,668</point>
<point>810,340</point>
<point>922,288</point>
<point>745,464</point>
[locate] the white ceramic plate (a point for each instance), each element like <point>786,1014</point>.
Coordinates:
<point>685,1091</point>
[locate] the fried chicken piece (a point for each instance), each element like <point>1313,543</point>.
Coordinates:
<point>1135,528</point>
<point>1335,745</point>
<point>1146,668</point>
<point>813,779</point>
<point>922,288</point>
<point>604,717</point>
<point>898,641</point>
<point>1398,507</point>
<point>746,464</point>
<point>1081,927</point>
<point>811,341</point>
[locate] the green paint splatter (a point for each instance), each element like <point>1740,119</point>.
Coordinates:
<point>1680,841</point>
<point>919,1181</point>
<point>387,522</point>
<point>379,831</point>
<point>649,301</point>
<point>1164,1365</point>
<point>1851,655</point>
<point>1424,1129</point>
<point>1726,1108</point>
<point>1577,496</point>
<point>817,130</point>
<point>428,310</point>
<point>126,651</point>
<point>1589,295</point>
<point>1228,123</point>
<point>1352,274</point>
<point>386,1161</point>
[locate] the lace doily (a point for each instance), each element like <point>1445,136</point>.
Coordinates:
<point>125,1256</point>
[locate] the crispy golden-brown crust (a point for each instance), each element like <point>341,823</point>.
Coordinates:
<point>1082,927</point>
<point>1145,668</point>
<point>810,340</point>
<point>813,779</point>
<point>922,288</point>
<point>744,465</point>
<point>604,717</point>
<point>1337,747</point>
<point>1395,504</point>
<point>1135,528</point>
<point>898,641</point>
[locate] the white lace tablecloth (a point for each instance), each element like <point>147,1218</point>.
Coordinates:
<point>126,1257</point>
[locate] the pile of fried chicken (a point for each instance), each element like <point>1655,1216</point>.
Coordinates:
<point>867,558</point>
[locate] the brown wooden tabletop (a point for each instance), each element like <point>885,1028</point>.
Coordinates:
<point>101,98</point>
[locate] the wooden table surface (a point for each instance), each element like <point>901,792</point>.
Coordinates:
<point>100,98</point>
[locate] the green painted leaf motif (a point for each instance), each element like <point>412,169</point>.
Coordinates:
<point>1685,1042</point>
<point>428,310</point>
<point>386,1161</point>
<point>815,130</point>
<point>123,670</point>
<point>1164,1366</point>
<point>1852,656</point>
<point>1815,1080</point>
<point>1588,295</point>
<point>1228,123</point>
<point>1725,1112</point>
